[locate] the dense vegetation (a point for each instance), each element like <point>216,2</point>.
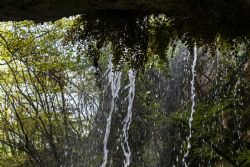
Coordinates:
<point>55,96</point>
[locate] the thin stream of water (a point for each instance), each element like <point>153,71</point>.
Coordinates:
<point>193,104</point>
<point>128,119</point>
<point>115,84</point>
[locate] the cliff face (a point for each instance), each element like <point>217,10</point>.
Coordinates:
<point>49,10</point>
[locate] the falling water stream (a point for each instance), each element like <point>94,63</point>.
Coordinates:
<point>193,104</point>
<point>114,78</point>
<point>128,118</point>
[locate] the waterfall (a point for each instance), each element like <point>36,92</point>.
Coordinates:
<point>193,103</point>
<point>114,78</point>
<point>128,118</point>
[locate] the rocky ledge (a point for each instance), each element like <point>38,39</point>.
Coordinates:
<point>49,10</point>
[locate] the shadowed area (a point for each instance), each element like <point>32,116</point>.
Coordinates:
<point>49,10</point>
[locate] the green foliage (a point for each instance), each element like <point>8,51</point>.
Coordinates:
<point>126,31</point>
<point>41,82</point>
<point>245,158</point>
<point>160,35</point>
<point>217,130</point>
